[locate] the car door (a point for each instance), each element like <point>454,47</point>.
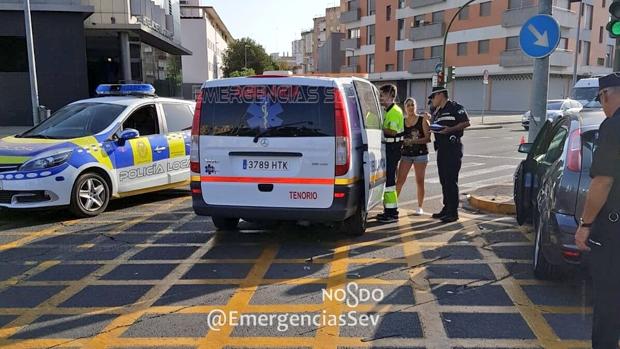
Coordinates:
<point>178,119</point>
<point>525,174</point>
<point>546,172</point>
<point>374,153</point>
<point>141,162</point>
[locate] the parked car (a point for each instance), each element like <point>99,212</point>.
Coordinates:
<point>555,109</point>
<point>551,185</point>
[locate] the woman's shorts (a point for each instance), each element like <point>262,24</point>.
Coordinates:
<point>420,159</point>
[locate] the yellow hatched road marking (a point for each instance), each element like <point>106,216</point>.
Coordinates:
<point>36,235</point>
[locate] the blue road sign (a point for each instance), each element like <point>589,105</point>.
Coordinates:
<point>438,68</point>
<point>540,36</point>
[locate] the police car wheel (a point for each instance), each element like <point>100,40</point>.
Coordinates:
<point>225,223</point>
<point>90,195</point>
<point>356,224</point>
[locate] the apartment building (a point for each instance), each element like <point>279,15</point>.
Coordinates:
<point>206,35</point>
<point>326,56</point>
<point>400,41</point>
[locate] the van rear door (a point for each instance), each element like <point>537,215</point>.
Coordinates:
<point>270,143</point>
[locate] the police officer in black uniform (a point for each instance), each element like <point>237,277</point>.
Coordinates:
<point>453,117</point>
<point>599,231</point>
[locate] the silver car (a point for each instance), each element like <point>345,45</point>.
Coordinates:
<point>555,109</point>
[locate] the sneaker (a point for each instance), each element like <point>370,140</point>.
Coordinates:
<point>387,219</point>
<point>419,211</point>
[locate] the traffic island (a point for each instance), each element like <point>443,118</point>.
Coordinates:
<point>498,199</point>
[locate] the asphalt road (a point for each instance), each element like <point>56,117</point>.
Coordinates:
<point>150,274</point>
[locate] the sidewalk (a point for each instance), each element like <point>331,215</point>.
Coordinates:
<point>493,121</point>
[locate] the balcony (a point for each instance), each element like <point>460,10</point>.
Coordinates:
<point>516,17</point>
<point>422,66</point>
<point>349,44</point>
<point>429,31</point>
<point>350,69</point>
<point>516,58</point>
<point>422,3</point>
<point>353,15</point>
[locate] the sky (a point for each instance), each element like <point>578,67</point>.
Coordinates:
<point>272,23</point>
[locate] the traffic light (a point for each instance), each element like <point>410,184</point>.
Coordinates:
<point>451,75</point>
<point>613,27</point>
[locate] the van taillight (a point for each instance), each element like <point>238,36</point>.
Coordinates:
<point>194,155</point>
<point>573,160</point>
<point>343,136</point>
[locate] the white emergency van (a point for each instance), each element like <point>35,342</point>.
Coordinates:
<point>288,148</point>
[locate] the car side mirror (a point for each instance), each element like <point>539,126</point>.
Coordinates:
<point>128,134</point>
<point>525,148</point>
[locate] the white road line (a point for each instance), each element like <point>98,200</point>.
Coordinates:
<point>497,180</point>
<point>493,157</point>
<point>476,173</point>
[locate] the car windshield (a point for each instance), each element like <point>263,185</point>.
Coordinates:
<point>584,94</point>
<point>554,105</point>
<point>76,120</point>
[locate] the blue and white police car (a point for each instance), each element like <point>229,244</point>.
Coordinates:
<point>125,142</point>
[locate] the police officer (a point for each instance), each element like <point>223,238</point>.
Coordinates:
<point>393,129</point>
<point>599,231</point>
<point>453,117</point>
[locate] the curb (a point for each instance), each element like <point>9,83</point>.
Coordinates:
<point>477,128</point>
<point>490,206</point>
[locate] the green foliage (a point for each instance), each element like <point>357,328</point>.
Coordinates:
<point>234,59</point>
<point>242,72</point>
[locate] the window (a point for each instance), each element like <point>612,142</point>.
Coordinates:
<point>388,13</point>
<point>179,117</point>
<point>400,61</point>
<point>563,45</point>
<point>565,4</point>
<point>368,105</point>
<point>436,51</point>
<point>354,33</point>
<point>586,53</point>
<point>588,13</point>
<point>461,49</point>
<point>370,64</point>
<point>418,53</point>
<point>387,44</point>
<point>600,35</point>
<point>464,14</point>
<point>350,6</point>
<point>437,17</point>
<point>485,9</point>
<point>512,43</point>
<point>483,46</point>
<point>609,56</point>
<point>371,7</point>
<point>349,92</point>
<point>556,146</point>
<point>14,56</point>
<point>371,34</point>
<point>402,3</point>
<point>604,4</point>
<point>310,113</point>
<point>401,29</point>
<point>144,120</point>
<point>389,67</point>
<point>418,21</point>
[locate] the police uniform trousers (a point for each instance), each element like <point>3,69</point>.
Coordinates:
<point>449,160</point>
<point>393,154</point>
<point>605,271</point>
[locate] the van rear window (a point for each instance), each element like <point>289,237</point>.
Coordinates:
<point>283,111</point>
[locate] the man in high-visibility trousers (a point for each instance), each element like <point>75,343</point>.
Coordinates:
<point>393,128</point>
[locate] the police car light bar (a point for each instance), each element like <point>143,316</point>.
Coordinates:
<point>125,89</point>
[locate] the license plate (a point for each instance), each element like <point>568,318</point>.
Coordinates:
<point>266,165</point>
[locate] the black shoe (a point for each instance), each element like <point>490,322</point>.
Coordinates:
<point>449,219</point>
<point>387,218</point>
<point>439,215</point>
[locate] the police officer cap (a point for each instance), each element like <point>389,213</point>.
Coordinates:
<point>436,90</point>
<point>611,80</point>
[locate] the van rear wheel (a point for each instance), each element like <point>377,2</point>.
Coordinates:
<point>225,223</point>
<point>356,224</point>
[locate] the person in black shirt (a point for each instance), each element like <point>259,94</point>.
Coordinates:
<point>453,118</point>
<point>599,230</point>
<point>414,150</point>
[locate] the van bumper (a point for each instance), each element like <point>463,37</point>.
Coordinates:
<point>341,209</point>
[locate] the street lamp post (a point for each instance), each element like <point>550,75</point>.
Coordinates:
<point>34,89</point>
<point>445,36</point>
<point>576,58</point>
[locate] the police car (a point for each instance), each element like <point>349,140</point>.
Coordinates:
<point>277,147</point>
<point>125,142</point>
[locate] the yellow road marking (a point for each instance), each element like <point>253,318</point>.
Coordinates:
<point>40,234</point>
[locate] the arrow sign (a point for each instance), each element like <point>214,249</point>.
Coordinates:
<point>542,39</point>
<point>540,36</point>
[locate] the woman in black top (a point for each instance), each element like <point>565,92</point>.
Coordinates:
<point>415,150</point>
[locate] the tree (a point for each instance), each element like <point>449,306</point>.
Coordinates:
<point>242,72</point>
<point>235,57</point>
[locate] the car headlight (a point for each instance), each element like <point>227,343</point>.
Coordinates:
<point>44,161</point>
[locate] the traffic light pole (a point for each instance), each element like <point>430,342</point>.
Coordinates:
<point>445,37</point>
<point>540,84</point>
<point>617,56</point>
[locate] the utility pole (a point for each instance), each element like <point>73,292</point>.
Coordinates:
<point>540,83</point>
<point>34,88</point>
<point>576,60</point>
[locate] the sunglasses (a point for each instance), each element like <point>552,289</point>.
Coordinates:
<point>599,94</point>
